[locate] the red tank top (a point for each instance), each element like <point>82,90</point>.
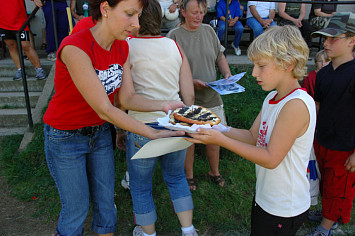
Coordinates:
<point>68,109</point>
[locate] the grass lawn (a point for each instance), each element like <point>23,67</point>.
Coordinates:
<point>217,211</point>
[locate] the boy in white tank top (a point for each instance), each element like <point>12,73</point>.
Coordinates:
<point>280,140</point>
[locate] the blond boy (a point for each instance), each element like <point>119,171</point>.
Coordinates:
<point>280,140</point>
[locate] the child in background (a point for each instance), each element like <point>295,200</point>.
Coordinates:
<point>334,93</point>
<point>281,137</point>
<point>321,59</point>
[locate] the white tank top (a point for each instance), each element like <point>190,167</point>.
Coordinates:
<point>155,67</point>
<point>284,191</point>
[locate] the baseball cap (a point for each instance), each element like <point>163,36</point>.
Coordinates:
<point>339,24</point>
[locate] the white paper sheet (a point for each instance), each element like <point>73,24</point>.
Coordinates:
<point>228,86</point>
<point>161,146</point>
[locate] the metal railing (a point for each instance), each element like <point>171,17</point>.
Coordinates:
<point>22,61</point>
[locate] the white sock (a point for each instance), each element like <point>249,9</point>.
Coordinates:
<point>188,230</point>
<point>154,234</point>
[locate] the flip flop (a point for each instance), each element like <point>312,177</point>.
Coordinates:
<point>192,184</point>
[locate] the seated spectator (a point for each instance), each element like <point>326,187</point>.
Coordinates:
<point>79,9</point>
<point>260,16</point>
<point>293,14</point>
<point>320,14</point>
<point>170,13</point>
<point>234,14</point>
<point>321,59</point>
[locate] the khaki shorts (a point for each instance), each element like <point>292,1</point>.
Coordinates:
<point>219,112</point>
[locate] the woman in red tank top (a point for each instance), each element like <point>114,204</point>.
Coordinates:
<point>92,68</point>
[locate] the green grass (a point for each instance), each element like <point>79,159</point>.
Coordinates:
<point>217,211</point>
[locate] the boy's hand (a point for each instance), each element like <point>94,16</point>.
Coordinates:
<point>350,163</point>
<point>207,136</point>
<point>171,105</point>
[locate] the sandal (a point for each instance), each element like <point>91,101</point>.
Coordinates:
<point>43,46</point>
<point>192,184</point>
<point>218,180</point>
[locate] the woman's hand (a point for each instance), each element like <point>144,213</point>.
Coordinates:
<point>121,139</point>
<point>171,105</point>
<point>199,84</point>
<point>156,133</point>
<point>207,136</point>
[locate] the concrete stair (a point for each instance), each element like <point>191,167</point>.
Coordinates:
<point>13,111</point>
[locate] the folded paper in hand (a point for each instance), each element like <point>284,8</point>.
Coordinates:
<point>228,86</point>
<point>161,146</point>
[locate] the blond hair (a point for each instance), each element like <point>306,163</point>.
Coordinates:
<point>285,45</point>
<point>319,56</point>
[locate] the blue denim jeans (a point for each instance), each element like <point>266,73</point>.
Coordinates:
<point>140,180</point>
<point>238,31</point>
<point>82,167</point>
<point>257,28</point>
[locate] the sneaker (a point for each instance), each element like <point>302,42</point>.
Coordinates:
<point>18,75</point>
<point>334,226</point>
<point>41,74</point>
<point>315,215</point>
<point>319,233</point>
<point>125,181</point>
<point>190,234</point>
<point>43,46</point>
<point>138,231</point>
<point>51,56</point>
<point>237,50</point>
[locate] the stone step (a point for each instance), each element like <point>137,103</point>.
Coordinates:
<point>14,118</point>
<point>17,99</point>
<point>12,131</point>
<point>8,69</point>
<point>7,84</point>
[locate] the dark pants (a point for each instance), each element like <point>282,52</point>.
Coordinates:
<point>62,24</point>
<point>265,224</point>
